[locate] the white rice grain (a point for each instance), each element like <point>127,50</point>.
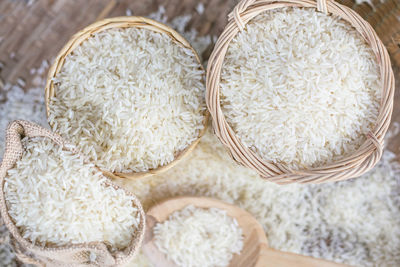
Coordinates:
<point>55,198</point>
<point>300,87</point>
<point>356,222</point>
<point>200,237</point>
<point>131,99</point>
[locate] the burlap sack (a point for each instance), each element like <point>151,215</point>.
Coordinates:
<point>86,254</point>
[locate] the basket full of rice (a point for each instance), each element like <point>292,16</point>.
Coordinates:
<point>60,209</point>
<point>129,92</point>
<point>301,91</point>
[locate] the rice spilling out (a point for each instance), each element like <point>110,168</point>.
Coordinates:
<point>356,222</point>
<point>295,218</point>
<point>131,99</point>
<point>199,237</point>
<point>55,198</point>
<point>300,88</point>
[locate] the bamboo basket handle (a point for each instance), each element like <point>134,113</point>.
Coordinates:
<point>238,10</point>
<point>322,6</point>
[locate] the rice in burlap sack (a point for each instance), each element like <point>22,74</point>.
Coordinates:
<point>50,255</point>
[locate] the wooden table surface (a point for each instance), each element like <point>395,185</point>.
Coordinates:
<point>32,31</point>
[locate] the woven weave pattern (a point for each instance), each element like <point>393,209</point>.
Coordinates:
<point>352,166</point>
<point>122,22</point>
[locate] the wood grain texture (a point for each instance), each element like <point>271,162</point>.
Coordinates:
<point>384,17</point>
<point>30,34</point>
<point>255,253</point>
<point>37,32</point>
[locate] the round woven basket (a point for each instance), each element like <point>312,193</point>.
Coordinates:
<point>351,166</point>
<point>122,22</point>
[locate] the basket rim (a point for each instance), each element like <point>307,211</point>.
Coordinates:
<point>361,160</point>
<point>124,22</point>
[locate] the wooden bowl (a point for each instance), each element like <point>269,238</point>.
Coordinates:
<point>255,253</point>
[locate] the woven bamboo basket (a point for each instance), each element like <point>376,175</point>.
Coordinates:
<point>122,22</point>
<point>351,166</point>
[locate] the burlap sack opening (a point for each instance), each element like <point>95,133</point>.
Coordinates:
<point>85,254</point>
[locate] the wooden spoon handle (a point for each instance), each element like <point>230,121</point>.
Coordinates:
<point>272,257</point>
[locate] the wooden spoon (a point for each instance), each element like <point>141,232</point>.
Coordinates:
<point>255,253</point>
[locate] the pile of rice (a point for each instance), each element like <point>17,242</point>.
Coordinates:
<point>131,99</point>
<point>55,198</point>
<point>199,237</point>
<point>356,222</point>
<point>300,88</point>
